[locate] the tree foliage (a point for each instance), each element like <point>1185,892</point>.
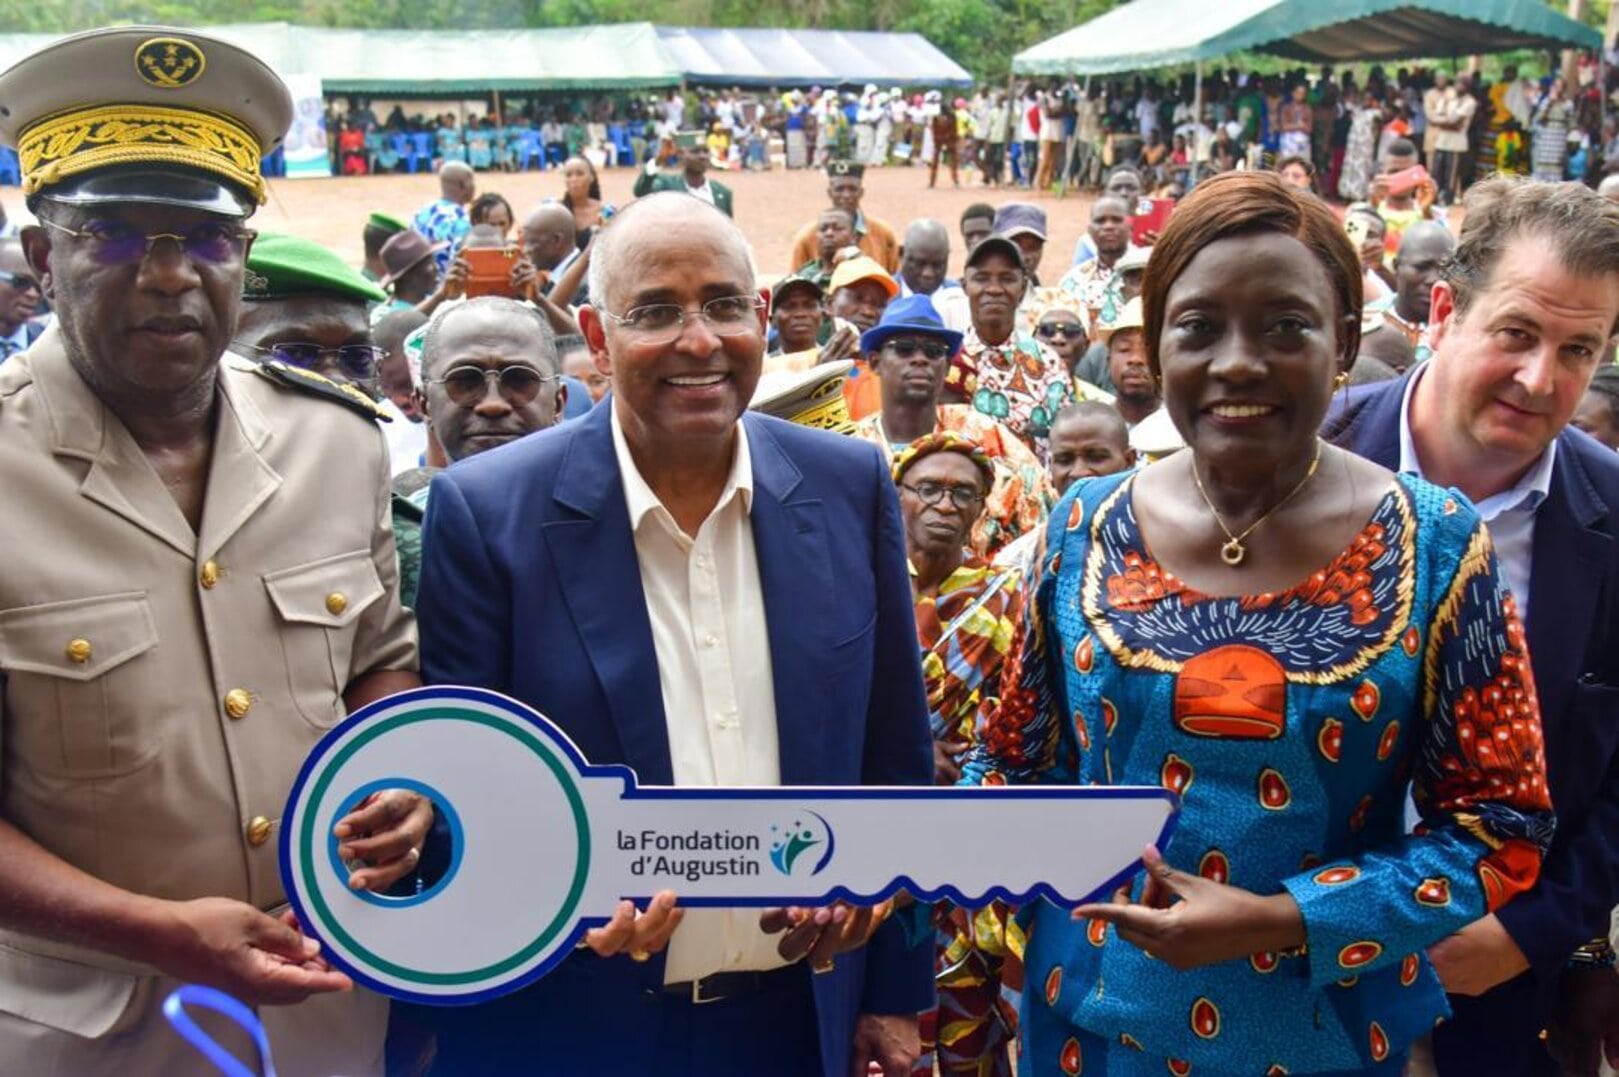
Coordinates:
<point>981,35</point>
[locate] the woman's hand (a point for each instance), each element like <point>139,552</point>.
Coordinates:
<point>1212,922</point>
<point>947,755</point>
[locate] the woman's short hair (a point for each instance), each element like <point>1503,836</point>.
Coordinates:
<point>1246,204</point>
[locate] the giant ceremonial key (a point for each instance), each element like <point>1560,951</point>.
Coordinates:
<point>543,844</point>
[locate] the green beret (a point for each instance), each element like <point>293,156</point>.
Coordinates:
<point>385,222</point>
<point>280,266</point>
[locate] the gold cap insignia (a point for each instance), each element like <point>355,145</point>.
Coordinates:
<point>169,62</point>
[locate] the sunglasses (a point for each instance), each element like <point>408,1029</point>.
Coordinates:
<point>114,244</point>
<point>467,385</point>
<point>934,350</point>
<point>356,362</point>
<point>1047,330</point>
<point>20,281</point>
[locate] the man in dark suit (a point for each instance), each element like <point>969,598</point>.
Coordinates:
<point>713,598</point>
<point>692,178</point>
<point>1521,319</point>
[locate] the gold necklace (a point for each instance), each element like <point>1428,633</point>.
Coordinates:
<point>1233,552</point>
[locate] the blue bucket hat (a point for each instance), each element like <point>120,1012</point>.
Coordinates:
<point>911,315</point>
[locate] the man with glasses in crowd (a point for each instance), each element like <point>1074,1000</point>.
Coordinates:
<point>909,352</point>
<point>305,309</point>
<point>19,301</point>
<point>489,374</point>
<point>720,598</point>
<point>200,580</point>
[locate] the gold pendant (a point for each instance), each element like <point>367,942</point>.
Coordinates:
<point>1232,553</point>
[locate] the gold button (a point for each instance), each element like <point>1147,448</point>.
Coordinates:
<point>209,574</point>
<point>78,651</point>
<point>336,603</point>
<point>258,830</point>
<point>238,703</point>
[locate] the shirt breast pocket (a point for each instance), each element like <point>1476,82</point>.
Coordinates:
<point>320,605</point>
<point>79,683</point>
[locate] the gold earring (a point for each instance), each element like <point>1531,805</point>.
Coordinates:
<point>1339,380</point>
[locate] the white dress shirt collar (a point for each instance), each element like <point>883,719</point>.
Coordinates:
<point>640,499</point>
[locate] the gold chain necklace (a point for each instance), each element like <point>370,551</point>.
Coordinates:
<point>1233,552</point>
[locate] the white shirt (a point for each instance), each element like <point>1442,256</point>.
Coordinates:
<point>407,441</point>
<point>948,299</point>
<point>706,607</point>
<point>1509,515</point>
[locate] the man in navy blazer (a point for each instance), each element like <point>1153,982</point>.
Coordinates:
<point>546,577</point>
<point>1522,319</point>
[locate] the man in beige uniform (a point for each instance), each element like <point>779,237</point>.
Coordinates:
<point>199,579</point>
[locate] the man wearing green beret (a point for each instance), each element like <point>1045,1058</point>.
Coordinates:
<point>304,307</point>
<point>692,178</point>
<point>200,580</point>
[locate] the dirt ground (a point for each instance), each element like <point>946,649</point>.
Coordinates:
<point>770,206</point>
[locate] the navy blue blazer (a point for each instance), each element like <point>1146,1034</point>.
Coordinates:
<point>530,586</point>
<point>1573,628</point>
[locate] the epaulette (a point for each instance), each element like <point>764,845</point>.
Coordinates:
<point>310,382</point>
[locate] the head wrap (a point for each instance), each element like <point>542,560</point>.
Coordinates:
<point>944,441</point>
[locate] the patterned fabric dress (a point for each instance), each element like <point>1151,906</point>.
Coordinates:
<point>1020,381</point>
<point>979,952</point>
<point>1291,725</point>
<point>1020,499</point>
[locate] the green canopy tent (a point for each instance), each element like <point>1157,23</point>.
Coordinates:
<point>1159,33</point>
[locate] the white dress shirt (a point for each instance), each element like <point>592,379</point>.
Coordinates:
<point>1509,515</point>
<point>707,611</point>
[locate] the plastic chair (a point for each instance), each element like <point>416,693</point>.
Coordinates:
<point>423,142</point>
<point>529,149</point>
<point>400,142</point>
<point>620,136</point>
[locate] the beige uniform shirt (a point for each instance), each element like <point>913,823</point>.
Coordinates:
<point>161,687</point>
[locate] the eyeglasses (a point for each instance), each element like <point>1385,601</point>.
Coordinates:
<point>20,281</point>
<point>933,350</point>
<point>727,316</point>
<point>357,362</point>
<point>212,242</point>
<point>931,493</point>
<point>518,384</point>
<point>1047,330</point>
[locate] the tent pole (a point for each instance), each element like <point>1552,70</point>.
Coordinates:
<point>1197,121</point>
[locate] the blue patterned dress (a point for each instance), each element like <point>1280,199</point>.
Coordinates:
<point>1292,725</point>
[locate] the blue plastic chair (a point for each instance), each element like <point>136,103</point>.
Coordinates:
<point>400,142</point>
<point>423,141</point>
<point>528,149</point>
<point>620,136</point>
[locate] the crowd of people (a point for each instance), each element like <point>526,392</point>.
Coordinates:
<point>1335,124</point>
<point>1308,515</point>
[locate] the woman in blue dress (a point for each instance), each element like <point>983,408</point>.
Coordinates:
<point>1291,638</point>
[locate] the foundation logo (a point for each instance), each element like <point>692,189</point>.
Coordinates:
<point>789,844</point>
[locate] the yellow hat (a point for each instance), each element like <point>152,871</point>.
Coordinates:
<point>812,397</point>
<point>862,267</point>
<point>145,114</point>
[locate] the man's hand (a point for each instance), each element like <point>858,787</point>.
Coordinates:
<point>1476,958</point>
<point>453,285</point>
<point>946,760</point>
<point>384,834</point>
<point>527,281</point>
<point>819,935</point>
<point>1212,922</point>
<point>842,344</point>
<point>1585,1022</point>
<point>245,953</point>
<point>1378,191</point>
<point>638,934</point>
<point>884,1043</point>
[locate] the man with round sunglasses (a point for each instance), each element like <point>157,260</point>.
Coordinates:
<point>489,375</point>
<point>305,308</point>
<point>908,353</point>
<point>19,301</point>
<point>200,581</point>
